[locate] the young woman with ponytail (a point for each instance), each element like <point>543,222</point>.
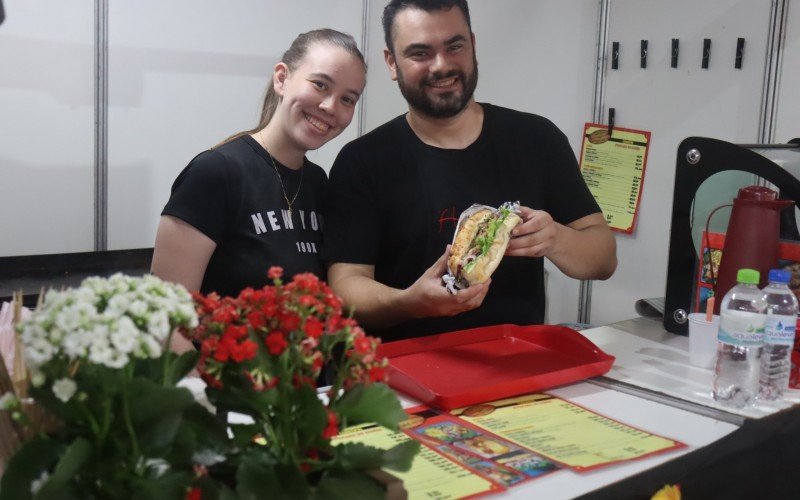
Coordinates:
<point>255,201</point>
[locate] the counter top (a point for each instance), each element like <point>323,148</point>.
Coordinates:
<point>654,364</point>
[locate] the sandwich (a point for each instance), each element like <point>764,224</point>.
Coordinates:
<point>481,238</point>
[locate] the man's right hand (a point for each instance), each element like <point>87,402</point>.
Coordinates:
<point>379,306</point>
<point>427,297</point>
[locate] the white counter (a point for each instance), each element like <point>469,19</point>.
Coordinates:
<point>650,358</point>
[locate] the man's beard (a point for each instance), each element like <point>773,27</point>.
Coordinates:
<point>443,105</point>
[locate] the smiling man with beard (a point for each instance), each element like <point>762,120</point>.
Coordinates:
<point>396,192</point>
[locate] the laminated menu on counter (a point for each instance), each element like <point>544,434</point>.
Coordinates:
<point>432,475</point>
<point>564,432</point>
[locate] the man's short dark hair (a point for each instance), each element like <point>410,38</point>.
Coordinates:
<point>395,6</point>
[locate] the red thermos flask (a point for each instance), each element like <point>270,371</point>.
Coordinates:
<point>751,240</point>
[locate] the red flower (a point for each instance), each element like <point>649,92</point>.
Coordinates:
<point>245,351</point>
<point>308,282</point>
<point>257,320</point>
<point>333,426</point>
<point>194,494</point>
<point>224,314</point>
<point>275,272</point>
<point>300,380</point>
<point>290,321</point>
<point>362,345</point>
<point>313,327</point>
<point>235,332</point>
<point>276,343</point>
<point>209,345</point>
<point>261,381</point>
<point>377,374</point>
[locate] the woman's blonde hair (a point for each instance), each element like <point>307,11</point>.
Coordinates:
<point>293,58</point>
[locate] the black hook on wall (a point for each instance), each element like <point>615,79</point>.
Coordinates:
<point>739,53</point>
<point>615,55</point>
<point>675,49</point>
<point>706,52</point>
<point>643,55</point>
<point>611,113</point>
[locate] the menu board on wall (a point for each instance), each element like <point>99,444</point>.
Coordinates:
<point>613,168</point>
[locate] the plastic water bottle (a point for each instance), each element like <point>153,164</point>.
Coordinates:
<point>778,335</point>
<point>740,341</point>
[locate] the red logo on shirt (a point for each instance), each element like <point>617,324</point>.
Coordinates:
<point>447,215</point>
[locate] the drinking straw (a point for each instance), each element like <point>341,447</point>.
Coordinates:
<point>709,309</point>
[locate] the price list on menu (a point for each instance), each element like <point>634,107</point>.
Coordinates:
<point>613,168</point>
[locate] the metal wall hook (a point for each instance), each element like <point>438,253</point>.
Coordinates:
<point>643,54</point>
<point>675,49</point>
<point>611,113</point>
<point>739,53</point>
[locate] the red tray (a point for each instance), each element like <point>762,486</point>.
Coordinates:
<point>457,369</point>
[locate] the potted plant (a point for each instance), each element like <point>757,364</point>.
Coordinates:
<point>97,363</point>
<point>261,354</point>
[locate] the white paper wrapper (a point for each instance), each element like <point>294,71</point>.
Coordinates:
<point>449,279</point>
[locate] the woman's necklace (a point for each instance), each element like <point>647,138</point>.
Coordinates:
<point>283,190</point>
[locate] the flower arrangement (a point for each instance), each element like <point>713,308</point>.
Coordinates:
<point>261,354</point>
<point>97,363</point>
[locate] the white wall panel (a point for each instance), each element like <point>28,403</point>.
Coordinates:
<point>46,127</point>
<point>183,76</point>
<point>787,122</point>
<point>720,102</point>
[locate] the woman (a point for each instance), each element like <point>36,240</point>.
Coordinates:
<point>254,201</point>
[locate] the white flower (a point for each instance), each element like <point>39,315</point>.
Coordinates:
<point>8,401</point>
<point>107,321</point>
<point>149,347</point>
<point>123,340</point>
<point>64,389</point>
<point>38,352</point>
<point>37,484</point>
<point>138,308</point>
<point>37,378</point>
<point>158,325</point>
<point>116,359</point>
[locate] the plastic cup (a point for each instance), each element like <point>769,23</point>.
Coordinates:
<point>703,340</point>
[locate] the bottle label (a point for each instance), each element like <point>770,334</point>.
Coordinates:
<point>779,329</point>
<point>741,328</point>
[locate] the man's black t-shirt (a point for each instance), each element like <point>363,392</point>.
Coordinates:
<point>232,195</point>
<point>394,202</point>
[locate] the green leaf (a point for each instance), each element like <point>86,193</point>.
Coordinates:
<point>354,456</point>
<point>400,457</point>
<point>182,365</point>
<point>312,416</point>
<point>247,401</point>
<point>348,485</point>
<point>72,460</point>
<point>150,401</point>
<point>169,486</point>
<point>36,456</point>
<point>159,434</point>
<point>256,480</point>
<point>243,433</point>
<point>372,403</point>
<point>68,412</point>
<point>210,430</point>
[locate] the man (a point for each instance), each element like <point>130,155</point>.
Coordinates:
<point>396,192</point>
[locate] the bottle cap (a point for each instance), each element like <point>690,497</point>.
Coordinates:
<point>748,276</point>
<point>780,275</point>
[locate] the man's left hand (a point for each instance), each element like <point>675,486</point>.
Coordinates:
<point>535,237</point>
